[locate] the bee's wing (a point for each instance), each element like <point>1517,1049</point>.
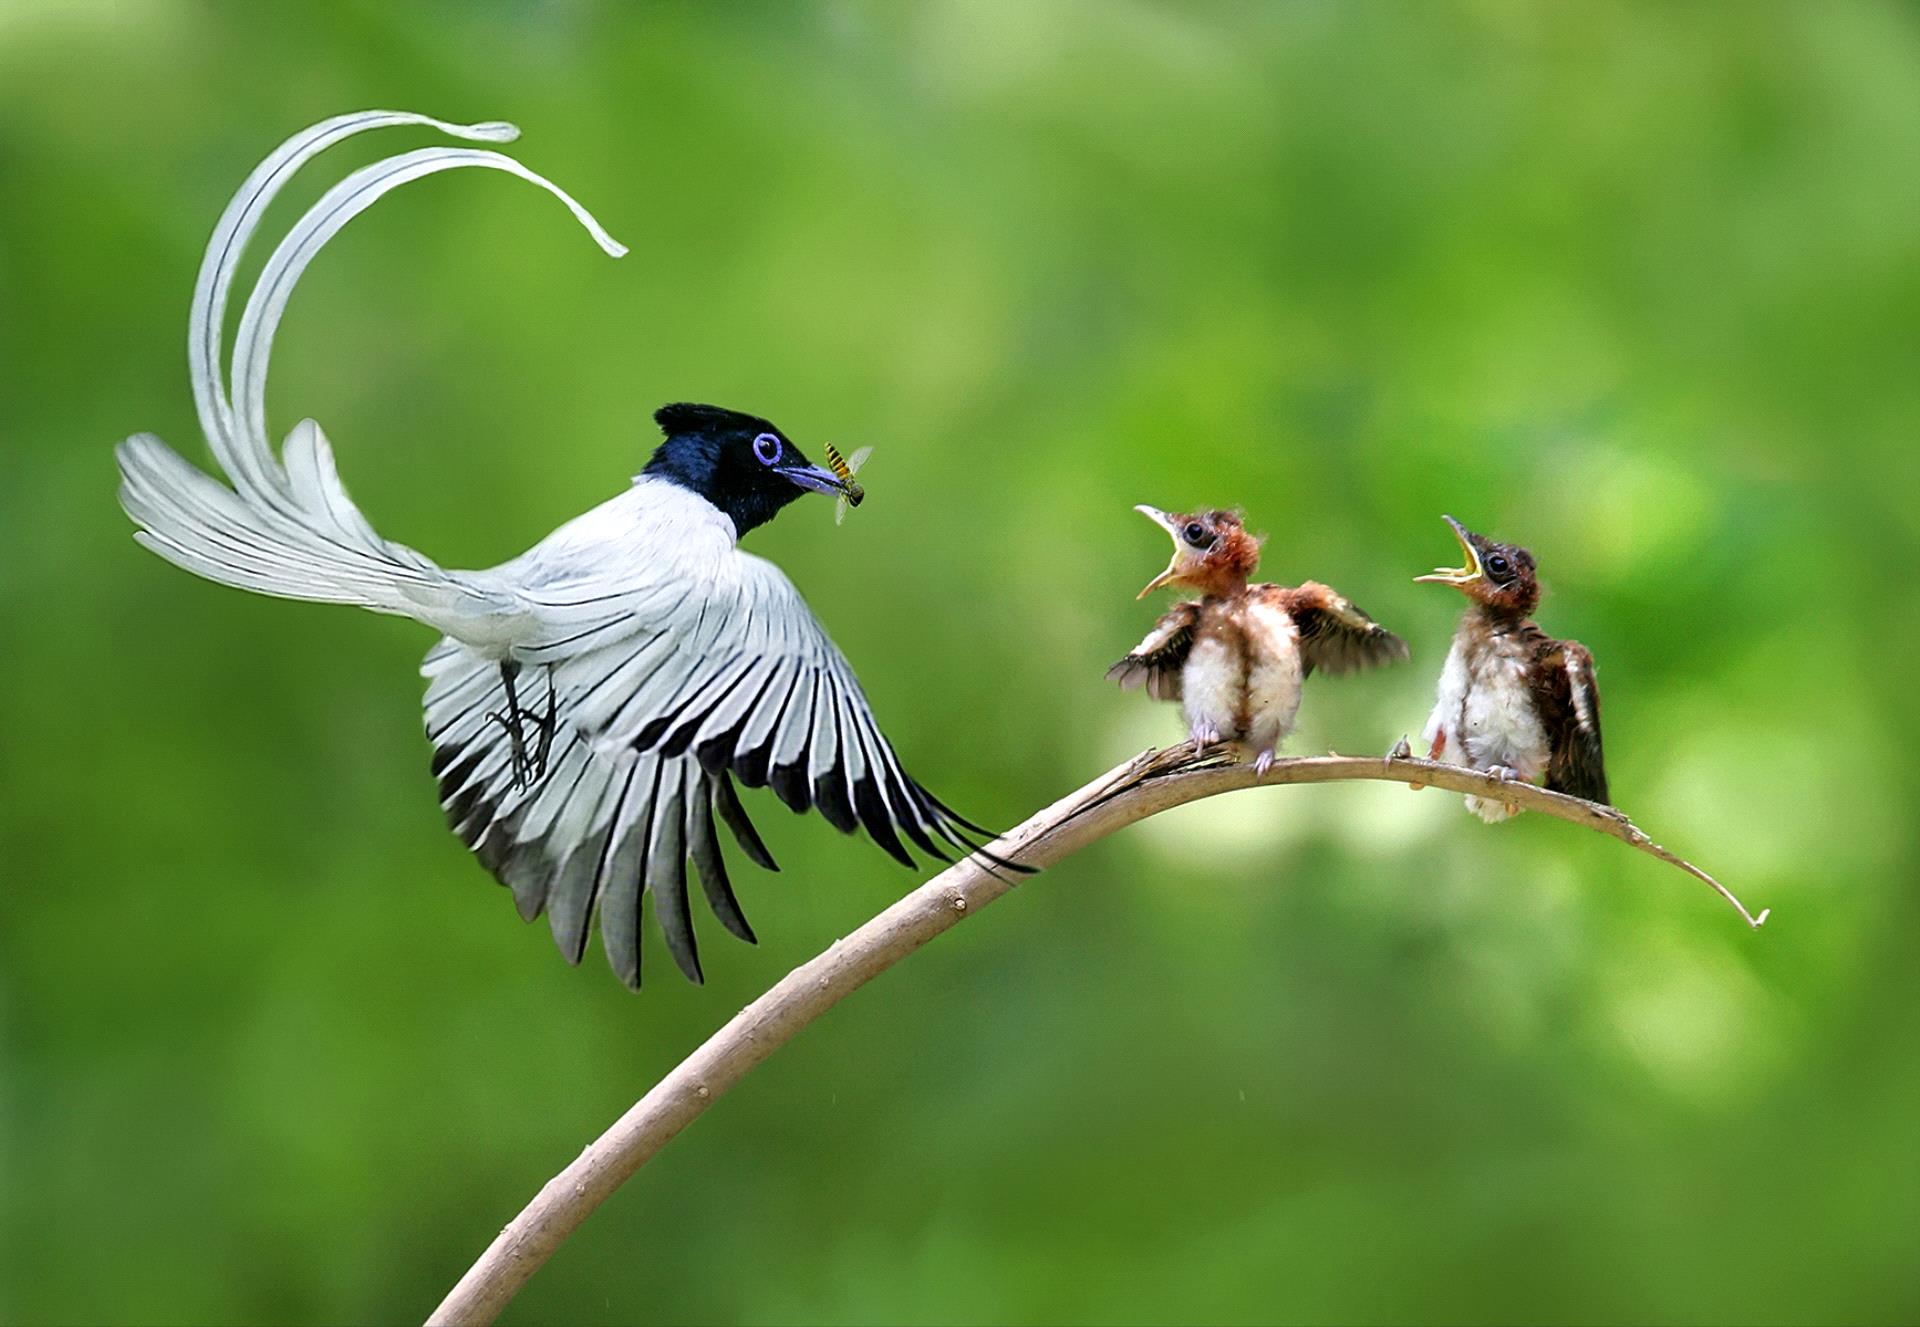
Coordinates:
<point>854,462</point>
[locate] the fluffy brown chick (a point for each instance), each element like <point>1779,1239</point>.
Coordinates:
<point>1513,701</point>
<point>1236,657</point>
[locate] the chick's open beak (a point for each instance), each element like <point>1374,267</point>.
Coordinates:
<point>1462,575</point>
<point>1171,524</point>
<point>808,475</point>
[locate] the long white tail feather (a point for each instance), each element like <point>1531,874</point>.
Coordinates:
<point>339,205</point>
<point>249,463</point>
<point>193,520</point>
<point>316,488</point>
<point>287,526</point>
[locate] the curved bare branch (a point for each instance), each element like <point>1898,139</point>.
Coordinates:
<point>1153,782</point>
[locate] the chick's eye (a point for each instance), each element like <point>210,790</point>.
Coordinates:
<point>767,447</point>
<point>1196,534</point>
<point>1498,565</point>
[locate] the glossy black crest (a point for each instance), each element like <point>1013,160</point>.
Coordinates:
<point>713,452</point>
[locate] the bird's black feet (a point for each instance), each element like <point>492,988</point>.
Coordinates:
<point>529,764</point>
<point>547,723</point>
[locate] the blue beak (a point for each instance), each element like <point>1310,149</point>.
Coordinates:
<point>812,476</point>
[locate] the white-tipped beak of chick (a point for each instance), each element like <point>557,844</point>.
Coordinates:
<point>1465,574</point>
<point>1183,557</point>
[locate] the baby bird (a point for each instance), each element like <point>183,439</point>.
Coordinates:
<point>1514,702</point>
<point>1235,658</point>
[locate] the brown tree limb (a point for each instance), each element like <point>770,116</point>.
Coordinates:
<point>1153,782</point>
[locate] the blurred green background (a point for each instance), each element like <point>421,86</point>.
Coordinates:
<point>1637,285</point>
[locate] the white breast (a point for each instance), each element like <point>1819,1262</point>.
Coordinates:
<point>1241,682</point>
<point>1211,685</point>
<point>1273,682</point>
<point>1484,712</point>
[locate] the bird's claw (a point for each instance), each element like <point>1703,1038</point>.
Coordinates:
<point>547,723</point>
<point>1401,750</point>
<point>1262,763</point>
<point>1506,774</point>
<point>516,746</point>
<point>528,767</point>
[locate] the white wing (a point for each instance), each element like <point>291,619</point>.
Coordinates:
<point>704,650</point>
<point>712,669</point>
<point>598,831</point>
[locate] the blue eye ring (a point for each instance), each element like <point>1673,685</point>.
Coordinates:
<point>766,447</point>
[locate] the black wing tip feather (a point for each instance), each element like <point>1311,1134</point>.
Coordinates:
<point>879,825</point>
<point>574,883</point>
<point>831,800</point>
<point>686,958</point>
<point>727,802</point>
<point>654,729</point>
<point>528,871</point>
<point>703,846</point>
<point>754,767</point>
<point>676,742</point>
<point>915,827</point>
<point>949,814</point>
<point>884,802</point>
<point>672,911</point>
<point>790,785</point>
<point>954,821</point>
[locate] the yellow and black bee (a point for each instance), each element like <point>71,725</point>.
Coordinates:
<point>843,470</point>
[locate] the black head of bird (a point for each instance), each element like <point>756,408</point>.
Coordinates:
<point>740,463</point>
<point>1500,577</point>
<point>1212,551</point>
